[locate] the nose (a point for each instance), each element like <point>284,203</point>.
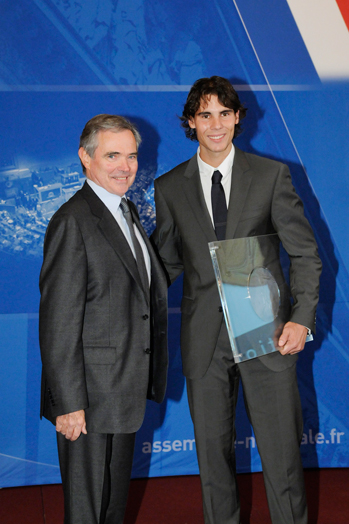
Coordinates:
<point>216,122</point>
<point>123,165</point>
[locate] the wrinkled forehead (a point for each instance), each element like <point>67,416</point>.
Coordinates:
<point>115,136</point>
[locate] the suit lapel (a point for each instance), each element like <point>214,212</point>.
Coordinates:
<point>240,183</point>
<point>192,189</point>
<point>112,232</point>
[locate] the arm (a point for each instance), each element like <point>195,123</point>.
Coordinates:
<point>63,284</point>
<point>298,240</point>
<point>166,237</point>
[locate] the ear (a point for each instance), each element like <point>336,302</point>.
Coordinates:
<point>84,157</point>
<point>237,117</point>
<point>191,123</point>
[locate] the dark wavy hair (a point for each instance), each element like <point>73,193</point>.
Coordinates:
<point>202,90</point>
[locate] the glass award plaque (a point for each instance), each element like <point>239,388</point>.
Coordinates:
<point>254,294</point>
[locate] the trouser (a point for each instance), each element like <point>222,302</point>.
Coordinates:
<point>273,406</point>
<point>96,471</point>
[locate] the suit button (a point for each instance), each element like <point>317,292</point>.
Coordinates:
<point>147,350</point>
<point>145,317</point>
<point>220,309</point>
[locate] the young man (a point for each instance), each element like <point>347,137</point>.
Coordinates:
<point>103,326</point>
<point>259,199</point>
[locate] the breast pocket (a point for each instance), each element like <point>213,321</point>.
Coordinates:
<point>254,213</point>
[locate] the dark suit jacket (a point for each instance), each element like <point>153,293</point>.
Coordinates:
<point>262,201</point>
<point>103,345</point>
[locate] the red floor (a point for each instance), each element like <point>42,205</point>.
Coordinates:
<point>177,500</point>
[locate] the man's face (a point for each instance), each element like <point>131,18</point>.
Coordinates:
<point>215,127</point>
<point>114,164</point>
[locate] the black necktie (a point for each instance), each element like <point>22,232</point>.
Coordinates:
<point>219,206</point>
<point>137,247</point>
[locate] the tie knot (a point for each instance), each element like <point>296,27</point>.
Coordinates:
<point>124,205</point>
<point>217,177</point>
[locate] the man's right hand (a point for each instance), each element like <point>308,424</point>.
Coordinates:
<point>72,424</point>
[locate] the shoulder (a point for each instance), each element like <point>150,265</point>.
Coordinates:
<point>174,174</point>
<point>75,206</point>
<point>70,214</point>
<point>259,163</point>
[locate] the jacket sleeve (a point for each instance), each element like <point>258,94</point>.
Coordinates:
<point>298,240</point>
<point>166,237</point>
<point>63,284</point>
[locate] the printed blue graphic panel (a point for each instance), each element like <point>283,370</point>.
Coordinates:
<point>64,61</point>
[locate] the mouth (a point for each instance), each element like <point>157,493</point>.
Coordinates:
<point>120,178</point>
<point>216,138</point>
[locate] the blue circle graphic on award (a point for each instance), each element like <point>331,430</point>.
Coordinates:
<point>264,294</point>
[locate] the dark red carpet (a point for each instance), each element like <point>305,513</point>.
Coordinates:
<point>177,500</point>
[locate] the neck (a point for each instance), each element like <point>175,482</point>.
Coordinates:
<point>214,159</point>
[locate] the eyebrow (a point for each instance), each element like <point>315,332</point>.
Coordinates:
<point>118,153</point>
<point>111,153</point>
<point>210,112</point>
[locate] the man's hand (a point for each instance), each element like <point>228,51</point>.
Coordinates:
<point>292,339</point>
<point>72,424</point>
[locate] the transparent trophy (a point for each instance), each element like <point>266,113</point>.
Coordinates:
<point>254,294</point>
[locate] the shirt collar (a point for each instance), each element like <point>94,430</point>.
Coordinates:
<point>225,167</point>
<point>110,200</point>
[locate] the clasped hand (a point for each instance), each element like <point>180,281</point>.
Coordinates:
<point>72,425</point>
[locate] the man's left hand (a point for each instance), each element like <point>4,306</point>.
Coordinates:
<point>292,338</point>
<point>72,424</point>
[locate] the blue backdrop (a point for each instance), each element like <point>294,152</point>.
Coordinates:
<point>63,62</point>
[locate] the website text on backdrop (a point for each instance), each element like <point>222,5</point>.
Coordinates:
<point>103,326</point>
<point>258,199</point>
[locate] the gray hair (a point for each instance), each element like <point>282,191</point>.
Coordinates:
<point>116,123</point>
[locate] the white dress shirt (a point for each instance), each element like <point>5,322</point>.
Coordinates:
<point>206,172</point>
<point>112,202</point>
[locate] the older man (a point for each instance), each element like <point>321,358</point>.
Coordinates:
<point>103,326</point>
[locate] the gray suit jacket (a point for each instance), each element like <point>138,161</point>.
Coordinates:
<point>103,345</point>
<point>262,201</point>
